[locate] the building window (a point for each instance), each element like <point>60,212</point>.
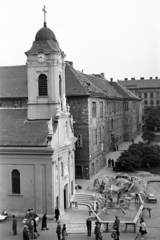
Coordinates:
<point>145,95</point>
<point>126,121</point>
<point>139,95</point>
<point>111,124</point>
<point>151,95</point>
<point>94,136</point>
<point>145,102</point>
<point>101,109</point>
<point>93,109</point>
<point>157,94</point>
<point>42,84</point>
<point>157,102</point>
<point>62,173</point>
<point>15,182</point>
<point>60,86</point>
<point>100,135</point>
<point>79,140</point>
<point>126,106</point>
<point>151,102</point>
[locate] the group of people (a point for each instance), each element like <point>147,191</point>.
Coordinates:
<point>61,231</point>
<point>97,229</point>
<point>110,162</point>
<point>30,225</point>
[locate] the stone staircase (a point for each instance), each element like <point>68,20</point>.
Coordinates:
<point>87,199</point>
<point>78,224</point>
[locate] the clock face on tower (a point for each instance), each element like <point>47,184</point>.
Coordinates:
<point>41,57</point>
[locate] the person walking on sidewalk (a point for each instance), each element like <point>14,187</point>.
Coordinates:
<point>97,232</point>
<point>142,228</point>
<point>64,232</point>
<point>112,163</point>
<point>57,213</point>
<point>58,230</point>
<point>109,163</point>
<point>44,222</point>
<point>89,225</point>
<point>14,225</point>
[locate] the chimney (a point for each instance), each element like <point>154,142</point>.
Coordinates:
<point>132,78</point>
<point>150,77</point>
<point>142,78</point>
<point>71,63</point>
<point>111,81</point>
<point>103,75</point>
<point>126,79</point>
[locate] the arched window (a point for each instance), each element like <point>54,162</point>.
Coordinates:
<point>60,86</point>
<point>42,84</point>
<point>15,182</point>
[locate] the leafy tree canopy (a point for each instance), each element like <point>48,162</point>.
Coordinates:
<point>139,155</point>
<point>148,136</point>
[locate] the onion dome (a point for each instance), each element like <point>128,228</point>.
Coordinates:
<point>44,34</point>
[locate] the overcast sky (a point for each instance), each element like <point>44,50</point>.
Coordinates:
<point>118,37</point>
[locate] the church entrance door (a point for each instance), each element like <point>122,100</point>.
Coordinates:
<point>65,196</point>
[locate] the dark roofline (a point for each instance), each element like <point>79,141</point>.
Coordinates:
<point>29,150</point>
<point>13,66</point>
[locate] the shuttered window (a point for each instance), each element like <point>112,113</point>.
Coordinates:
<point>15,182</point>
<point>42,82</point>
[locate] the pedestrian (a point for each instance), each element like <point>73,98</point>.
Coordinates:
<point>57,213</point>
<point>142,228</point>
<point>58,230</point>
<point>35,228</point>
<point>27,215</point>
<point>64,232</point>
<point>14,225</point>
<point>89,226</point>
<point>112,163</point>
<point>31,228</point>
<point>115,234</point>
<point>44,222</point>
<point>109,162</point>
<point>97,231</point>
<point>116,223</point>
<point>25,233</point>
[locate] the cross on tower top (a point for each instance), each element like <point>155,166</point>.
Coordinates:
<point>44,10</point>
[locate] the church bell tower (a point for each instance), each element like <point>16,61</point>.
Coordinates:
<point>46,75</point>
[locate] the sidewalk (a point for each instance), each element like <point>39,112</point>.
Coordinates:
<point>86,183</point>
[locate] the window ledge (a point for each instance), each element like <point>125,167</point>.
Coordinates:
<point>17,195</point>
<point>42,96</point>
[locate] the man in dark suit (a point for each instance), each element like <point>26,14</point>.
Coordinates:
<point>89,225</point>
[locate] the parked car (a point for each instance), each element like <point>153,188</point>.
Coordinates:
<point>151,198</point>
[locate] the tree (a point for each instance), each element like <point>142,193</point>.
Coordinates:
<point>139,155</point>
<point>128,161</point>
<point>148,136</point>
<point>152,118</point>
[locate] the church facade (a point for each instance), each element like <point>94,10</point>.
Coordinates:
<point>37,143</point>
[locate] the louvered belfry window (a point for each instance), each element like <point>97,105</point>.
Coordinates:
<point>60,86</point>
<point>15,182</point>
<point>43,89</point>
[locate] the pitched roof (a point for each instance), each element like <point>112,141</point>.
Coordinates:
<point>154,83</point>
<point>13,81</point>
<point>124,91</point>
<point>103,84</point>
<point>16,130</point>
